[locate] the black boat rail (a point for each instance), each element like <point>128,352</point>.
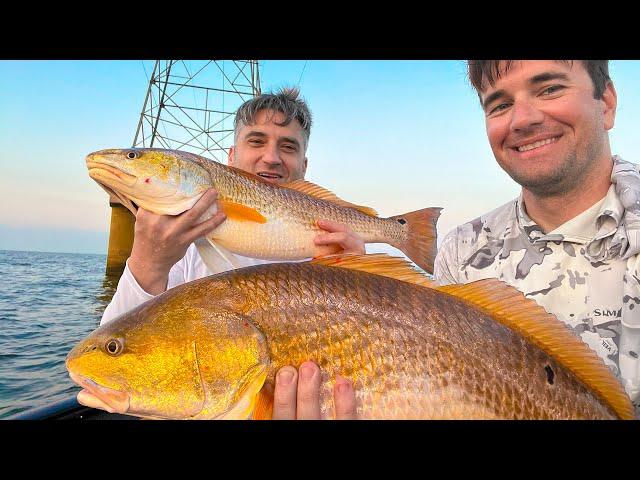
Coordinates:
<point>68,409</point>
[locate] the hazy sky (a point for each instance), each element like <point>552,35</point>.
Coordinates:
<point>393,135</point>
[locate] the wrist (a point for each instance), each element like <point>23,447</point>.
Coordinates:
<point>151,277</point>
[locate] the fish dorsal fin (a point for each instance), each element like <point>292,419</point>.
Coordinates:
<point>322,193</point>
<point>511,308</point>
<point>379,264</point>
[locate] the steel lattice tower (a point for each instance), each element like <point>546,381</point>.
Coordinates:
<point>190,105</point>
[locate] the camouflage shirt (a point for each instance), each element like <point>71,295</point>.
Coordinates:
<point>585,271</point>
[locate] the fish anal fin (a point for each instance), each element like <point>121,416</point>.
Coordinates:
<point>322,193</point>
<point>511,308</point>
<point>239,212</point>
<point>215,256</point>
<point>379,264</point>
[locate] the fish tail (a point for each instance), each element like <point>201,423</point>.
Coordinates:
<point>420,244</point>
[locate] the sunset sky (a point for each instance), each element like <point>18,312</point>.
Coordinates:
<point>394,135</point>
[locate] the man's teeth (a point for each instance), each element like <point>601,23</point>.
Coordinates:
<point>267,175</point>
<point>537,144</point>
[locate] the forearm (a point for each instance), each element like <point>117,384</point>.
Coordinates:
<point>153,279</point>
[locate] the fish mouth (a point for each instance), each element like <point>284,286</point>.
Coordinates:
<point>97,396</point>
<point>107,173</point>
<point>109,178</point>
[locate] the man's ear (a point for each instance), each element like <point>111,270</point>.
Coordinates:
<point>304,167</point>
<point>610,102</point>
<point>231,157</point>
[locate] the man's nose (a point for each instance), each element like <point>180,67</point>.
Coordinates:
<point>271,155</point>
<point>525,114</point>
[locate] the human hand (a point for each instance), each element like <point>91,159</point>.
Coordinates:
<point>162,240</point>
<point>339,239</point>
<point>297,397</point>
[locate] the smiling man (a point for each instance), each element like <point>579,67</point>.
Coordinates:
<point>571,239</point>
<point>271,139</point>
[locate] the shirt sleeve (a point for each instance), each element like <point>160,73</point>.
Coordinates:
<point>446,263</point>
<point>129,295</point>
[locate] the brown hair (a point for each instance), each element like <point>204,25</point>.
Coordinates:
<point>491,70</point>
<point>285,101</point>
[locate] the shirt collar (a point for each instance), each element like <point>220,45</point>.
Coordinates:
<point>597,222</point>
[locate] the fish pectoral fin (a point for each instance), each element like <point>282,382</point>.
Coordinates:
<point>240,212</point>
<point>216,257</point>
<point>508,306</point>
<point>264,403</point>
<point>322,193</point>
<point>379,264</point>
<point>210,256</point>
<point>248,396</point>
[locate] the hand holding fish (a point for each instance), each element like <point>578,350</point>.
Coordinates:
<point>162,240</point>
<point>297,397</point>
<point>340,239</point>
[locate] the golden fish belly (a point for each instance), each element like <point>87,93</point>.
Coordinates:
<point>285,237</point>
<point>411,352</point>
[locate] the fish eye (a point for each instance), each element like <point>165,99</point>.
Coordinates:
<point>401,221</point>
<point>131,155</point>
<point>550,374</point>
<point>113,347</point>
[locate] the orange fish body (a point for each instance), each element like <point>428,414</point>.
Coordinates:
<point>211,348</point>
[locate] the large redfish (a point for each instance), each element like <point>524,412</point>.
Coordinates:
<point>210,348</point>
<point>264,220</point>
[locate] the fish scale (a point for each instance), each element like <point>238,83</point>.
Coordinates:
<point>360,352</point>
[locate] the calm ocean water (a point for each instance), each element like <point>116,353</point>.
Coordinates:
<point>48,302</point>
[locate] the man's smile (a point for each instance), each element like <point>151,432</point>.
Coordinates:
<point>270,176</point>
<point>536,144</point>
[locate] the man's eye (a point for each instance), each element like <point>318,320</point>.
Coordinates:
<point>255,142</point>
<point>289,148</point>
<point>498,108</point>
<point>552,89</point>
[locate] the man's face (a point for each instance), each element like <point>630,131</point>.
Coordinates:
<point>545,128</point>
<point>275,153</point>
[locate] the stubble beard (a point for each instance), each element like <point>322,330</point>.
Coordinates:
<point>569,175</point>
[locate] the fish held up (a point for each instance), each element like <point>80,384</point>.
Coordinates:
<point>264,220</point>
<point>209,349</point>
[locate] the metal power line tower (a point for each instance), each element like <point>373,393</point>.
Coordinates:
<point>190,105</point>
